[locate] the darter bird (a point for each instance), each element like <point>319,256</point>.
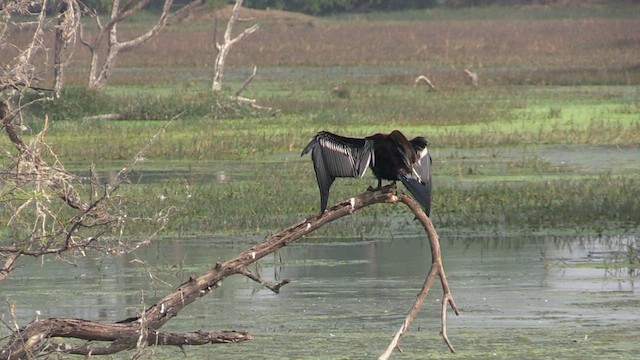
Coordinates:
<point>390,157</point>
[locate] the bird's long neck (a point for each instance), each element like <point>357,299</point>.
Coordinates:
<point>404,146</point>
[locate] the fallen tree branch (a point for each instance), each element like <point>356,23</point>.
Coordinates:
<point>436,269</point>
<point>144,329</point>
<point>158,338</point>
<point>242,99</point>
<point>124,335</point>
<point>9,264</point>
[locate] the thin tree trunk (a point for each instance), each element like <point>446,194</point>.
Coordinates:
<point>223,49</point>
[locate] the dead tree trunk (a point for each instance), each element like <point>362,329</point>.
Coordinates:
<point>99,74</point>
<point>44,335</point>
<point>223,49</point>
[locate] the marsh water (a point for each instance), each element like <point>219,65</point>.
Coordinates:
<point>519,296</point>
<point>347,298</point>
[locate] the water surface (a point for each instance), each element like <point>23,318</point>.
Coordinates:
<point>347,298</point>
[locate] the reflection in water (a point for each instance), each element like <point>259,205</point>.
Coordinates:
<point>496,282</point>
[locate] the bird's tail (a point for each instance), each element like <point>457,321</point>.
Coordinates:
<point>420,191</point>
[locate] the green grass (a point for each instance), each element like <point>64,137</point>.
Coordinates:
<point>211,128</point>
<point>490,151</point>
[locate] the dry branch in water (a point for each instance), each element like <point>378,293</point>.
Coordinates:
<point>144,329</point>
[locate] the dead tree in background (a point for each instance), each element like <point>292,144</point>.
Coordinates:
<point>99,73</point>
<point>46,335</point>
<point>228,42</point>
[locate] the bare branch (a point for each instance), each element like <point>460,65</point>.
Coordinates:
<point>37,184</point>
<point>125,334</point>
<point>159,25</point>
<point>246,82</point>
<point>8,265</point>
<point>20,72</point>
<point>156,339</point>
<point>68,24</point>
<point>143,330</point>
<point>256,277</point>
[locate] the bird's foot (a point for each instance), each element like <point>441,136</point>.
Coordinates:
<point>371,188</point>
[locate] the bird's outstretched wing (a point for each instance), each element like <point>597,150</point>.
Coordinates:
<point>337,156</point>
<point>422,170</point>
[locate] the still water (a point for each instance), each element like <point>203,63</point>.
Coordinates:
<point>348,298</point>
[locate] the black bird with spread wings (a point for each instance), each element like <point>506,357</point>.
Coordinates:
<point>390,157</point>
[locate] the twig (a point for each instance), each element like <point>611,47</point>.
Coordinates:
<point>273,287</point>
<point>123,174</point>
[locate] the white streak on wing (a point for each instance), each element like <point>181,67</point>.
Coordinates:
<point>423,165</point>
<point>335,147</point>
<point>341,149</point>
<point>413,169</point>
<point>360,172</point>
